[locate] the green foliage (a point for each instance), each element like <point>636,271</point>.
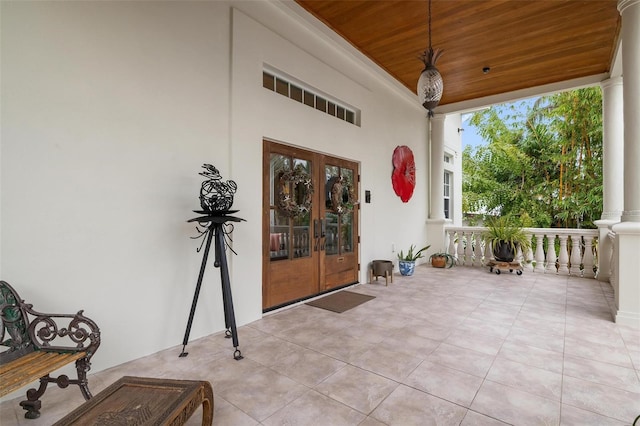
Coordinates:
<point>543,161</point>
<point>507,229</point>
<point>411,256</point>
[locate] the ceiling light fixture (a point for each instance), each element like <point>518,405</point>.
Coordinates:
<point>430,84</point>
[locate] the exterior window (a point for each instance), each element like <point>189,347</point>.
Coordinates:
<point>309,96</point>
<point>447,195</point>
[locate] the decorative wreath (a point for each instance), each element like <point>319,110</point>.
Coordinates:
<point>404,172</point>
<point>340,201</point>
<point>288,204</point>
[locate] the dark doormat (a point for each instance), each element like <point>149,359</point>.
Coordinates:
<point>341,301</point>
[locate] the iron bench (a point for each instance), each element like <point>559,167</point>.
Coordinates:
<point>38,345</point>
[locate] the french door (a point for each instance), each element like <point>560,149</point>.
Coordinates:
<point>310,224</point>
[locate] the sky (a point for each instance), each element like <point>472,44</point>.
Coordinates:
<point>470,135</point>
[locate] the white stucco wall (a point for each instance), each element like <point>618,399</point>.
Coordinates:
<point>109,109</point>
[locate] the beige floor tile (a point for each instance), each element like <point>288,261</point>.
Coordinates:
<point>514,406</point>
<point>224,414</point>
<point>472,340</point>
<point>572,416</point>
<point>476,419</point>
<point>409,342</point>
<point>467,360</point>
<point>530,355</point>
<point>261,393</point>
<point>602,373</point>
<point>370,421</point>
<point>446,383</point>
<point>547,341</point>
<point>596,351</point>
<point>537,381</point>
<point>408,407</point>
<point>313,408</point>
<point>341,346</point>
<point>485,327</point>
<point>306,366</point>
<point>604,400</point>
<point>387,363</point>
<point>357,388</point>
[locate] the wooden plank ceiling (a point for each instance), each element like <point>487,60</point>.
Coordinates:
<point>526,43</point>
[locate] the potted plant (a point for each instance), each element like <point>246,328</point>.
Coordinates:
<point>442,260</point>
<point>505,236</point>
<point>407,262</point>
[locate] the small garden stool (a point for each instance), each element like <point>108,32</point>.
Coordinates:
<point>381,268</point>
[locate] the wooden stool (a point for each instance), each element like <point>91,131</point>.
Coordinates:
<point>145,401</point>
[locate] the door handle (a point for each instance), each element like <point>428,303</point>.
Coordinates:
<point>323,232</point>
<point>316,233</point>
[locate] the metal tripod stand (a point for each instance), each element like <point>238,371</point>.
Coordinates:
<point>215,224</point>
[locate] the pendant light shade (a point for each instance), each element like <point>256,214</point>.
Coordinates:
<point>430,84</point>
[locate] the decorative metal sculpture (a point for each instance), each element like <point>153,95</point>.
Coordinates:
<point>216,198</point>
<point>404,173</point>
<point>216,195</point>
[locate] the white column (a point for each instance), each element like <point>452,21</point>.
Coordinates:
<point>612,149</point>
<point>612,169</point>
<point>437,168</point>
<point>628,231</point>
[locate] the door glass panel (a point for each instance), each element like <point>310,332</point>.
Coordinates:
<point>289,225</point>
<point>346,233</point>
<point>332,173</point>
<point>339,210</point>
<point>279,236</point>
<point>301,236</point>
<point>300,192</point>
<point>332,236</point>
<point>278,164</point>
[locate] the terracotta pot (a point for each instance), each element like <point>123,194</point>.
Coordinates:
<point>438,262</point>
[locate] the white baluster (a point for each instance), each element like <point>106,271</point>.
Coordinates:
<point>539,256</point>
<point>613,277</point>
<point>528,257</point>
<point>460,250</point>
<point>488,251</point>
<point>452,248</point>
<point>563,256</point>
<point>477,249</point>
<point>587,259</point>
<point>576,255</point>
<point>551,254</point>
<point>468,260</point>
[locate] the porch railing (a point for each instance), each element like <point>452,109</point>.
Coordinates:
<point>553,250</point>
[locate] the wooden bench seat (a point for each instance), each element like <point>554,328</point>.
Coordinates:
<point>31,355</point>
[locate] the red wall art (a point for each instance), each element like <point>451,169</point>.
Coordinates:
<point>404,172</point>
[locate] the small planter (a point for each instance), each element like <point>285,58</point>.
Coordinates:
<point>503,252</point>
<point>442,260</point>
<point>438,262</point>
<point>381,268</point>
<point>407,267</point>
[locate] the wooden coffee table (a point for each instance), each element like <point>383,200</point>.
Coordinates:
<point>145,401</point>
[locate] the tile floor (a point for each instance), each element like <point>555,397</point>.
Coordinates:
<point>444,347</point>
